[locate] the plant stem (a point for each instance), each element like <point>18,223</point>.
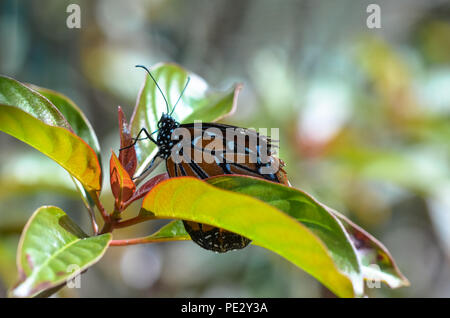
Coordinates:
<point>101,208</point>
<point>146,240</point>
<point>107,228</point>
<point>109,220</point>
<point>136,220</point>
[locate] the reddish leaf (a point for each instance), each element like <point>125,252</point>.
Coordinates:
<point>127,157</point>
<point>122,185</point>
<point>146,187</point>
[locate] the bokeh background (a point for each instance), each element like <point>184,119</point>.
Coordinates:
<point>364,118</point>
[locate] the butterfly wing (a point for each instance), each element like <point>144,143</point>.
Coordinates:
<point>216,150</point>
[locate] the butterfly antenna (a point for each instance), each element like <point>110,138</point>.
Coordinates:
<point>182,92</point>
<point>167,104</point>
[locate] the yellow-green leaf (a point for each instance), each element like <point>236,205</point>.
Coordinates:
<point>73,114</point>
<point>191,199</point>
<point>345,240</point>
<point>63,146</point>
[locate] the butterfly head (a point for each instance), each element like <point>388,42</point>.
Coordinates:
<point>166,124</point>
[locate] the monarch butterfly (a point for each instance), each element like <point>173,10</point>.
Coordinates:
<point>217,162</point>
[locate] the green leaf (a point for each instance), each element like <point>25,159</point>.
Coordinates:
<point>304,209</point>
<point>50,248</point>
<point>63,146</point>
<point>199,102</point>
<point>377,263</point>
<point>81,127</point>
<point>76,118</point>
<point>171,231</point>
<point>15,94</point>
<point>344,239</point>
<point>191,199</point>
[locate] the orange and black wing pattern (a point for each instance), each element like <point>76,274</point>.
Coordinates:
<point>217,149</point>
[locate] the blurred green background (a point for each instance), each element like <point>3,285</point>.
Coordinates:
<point>364,118</point>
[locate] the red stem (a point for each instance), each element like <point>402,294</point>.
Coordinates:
<point>101,208</point>
<point>145,240</point>
<point>136,220</point>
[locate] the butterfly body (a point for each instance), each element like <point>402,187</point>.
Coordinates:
<point>166,126</point>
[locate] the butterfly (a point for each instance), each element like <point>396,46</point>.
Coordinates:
<point>206,150</point>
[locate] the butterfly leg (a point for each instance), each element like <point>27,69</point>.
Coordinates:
<point>135,140</point>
